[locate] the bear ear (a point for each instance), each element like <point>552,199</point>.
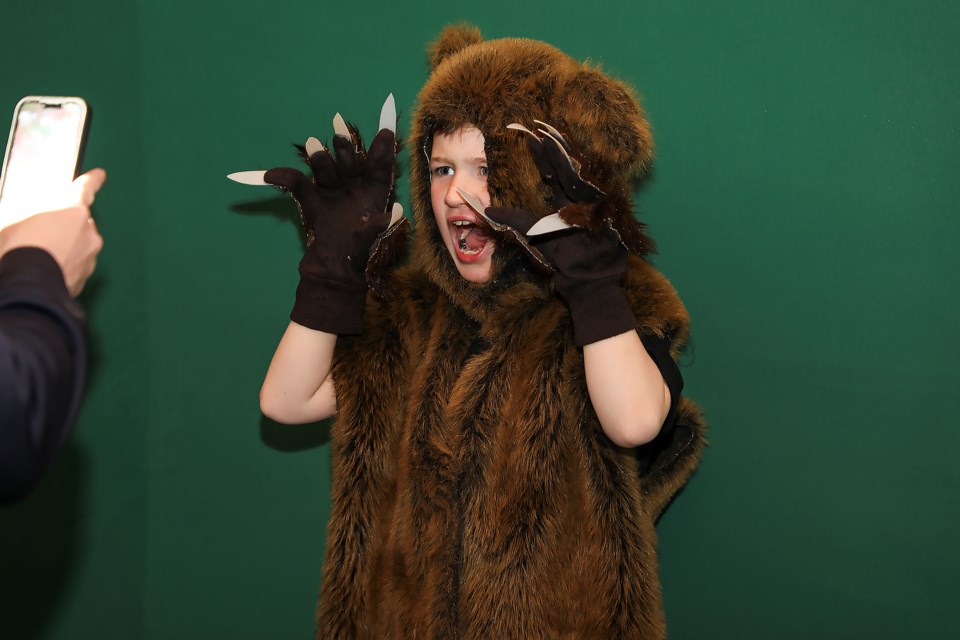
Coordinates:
<point>609,116</point>
<point>452,39</point>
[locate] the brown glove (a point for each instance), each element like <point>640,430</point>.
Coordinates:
<point>346,213</point>
<point>588,267</point>
<point>589,264</point>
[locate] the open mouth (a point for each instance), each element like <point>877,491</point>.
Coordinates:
<point>468,239</point>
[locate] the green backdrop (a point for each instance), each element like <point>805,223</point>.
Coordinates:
<point>805,201</point>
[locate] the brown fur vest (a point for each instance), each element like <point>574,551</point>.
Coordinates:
<point>475,494</point>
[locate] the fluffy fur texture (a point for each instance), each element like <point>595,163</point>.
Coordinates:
<point>492,84</point>
<point>475,493</point>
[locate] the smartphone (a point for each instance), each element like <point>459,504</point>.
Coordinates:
<point>44,154</point>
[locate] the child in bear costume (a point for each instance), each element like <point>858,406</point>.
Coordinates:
<point>509,420</point>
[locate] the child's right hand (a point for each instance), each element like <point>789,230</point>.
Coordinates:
<point>345,209</point>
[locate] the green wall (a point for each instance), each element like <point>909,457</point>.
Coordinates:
<point>805,202</point>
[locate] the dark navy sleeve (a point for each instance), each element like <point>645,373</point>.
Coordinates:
<point>42,367</point>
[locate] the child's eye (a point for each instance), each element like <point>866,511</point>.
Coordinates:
<point>443,171</point>
<point>483,171</point>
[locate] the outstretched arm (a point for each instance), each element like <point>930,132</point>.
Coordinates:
<point>345,209</point>
<point>42,367</point>
<point>626,389</point>
<point>629,379</point>
<point>44,261</point>
<point>298,387</point>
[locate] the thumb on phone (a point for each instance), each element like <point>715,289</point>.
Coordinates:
<point>84,189</point>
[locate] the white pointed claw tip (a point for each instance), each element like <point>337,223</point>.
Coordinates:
<point>254,178</point>
<point>519,127</point>
<point>388,114</point>
<point>549,128</point>
<point>473,202</point>
<point>548,224</point>
<point>397,214</point>
<point>313,146</point>
<point>340,127</point>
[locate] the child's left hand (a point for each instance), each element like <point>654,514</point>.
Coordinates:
<point>577,242</point>
<point>588,266</point>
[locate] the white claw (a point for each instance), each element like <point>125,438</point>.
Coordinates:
<point>473,201</point>
<point>519,127</point>
<point>254,178</point>
<point>313,146</point>
<point>556,134</point>
<point>559,144</point>
<point>340,127</point>
<point>388,115</point>
<point>548,224</point>
<point>396,215</point>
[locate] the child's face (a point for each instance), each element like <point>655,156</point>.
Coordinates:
<point>458,160</point>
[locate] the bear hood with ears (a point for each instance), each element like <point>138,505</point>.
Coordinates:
<point>490,84</point>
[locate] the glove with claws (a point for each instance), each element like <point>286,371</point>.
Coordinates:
<point>588,264</point>
<point>574,197</point>
<point>352,231</point>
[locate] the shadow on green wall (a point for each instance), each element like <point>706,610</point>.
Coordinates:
<point>283,437</point>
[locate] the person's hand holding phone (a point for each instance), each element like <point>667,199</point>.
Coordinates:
<point>69,235</point>
<point>44,154</point>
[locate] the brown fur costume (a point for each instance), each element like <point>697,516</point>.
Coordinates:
<point>475,492</point>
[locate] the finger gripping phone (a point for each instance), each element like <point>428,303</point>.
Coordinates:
<point>44,154</point>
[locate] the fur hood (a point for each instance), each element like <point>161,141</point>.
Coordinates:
<point>490,84</point>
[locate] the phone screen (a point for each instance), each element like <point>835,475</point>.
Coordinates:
<point>42,156</point>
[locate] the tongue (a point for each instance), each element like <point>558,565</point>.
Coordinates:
<point>476,239</point>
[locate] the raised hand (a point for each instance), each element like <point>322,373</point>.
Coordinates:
<point>69,235</point>
<point>585,254</point>
<point>345,210</point>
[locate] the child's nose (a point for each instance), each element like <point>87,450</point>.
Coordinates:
<point>452,198</point>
